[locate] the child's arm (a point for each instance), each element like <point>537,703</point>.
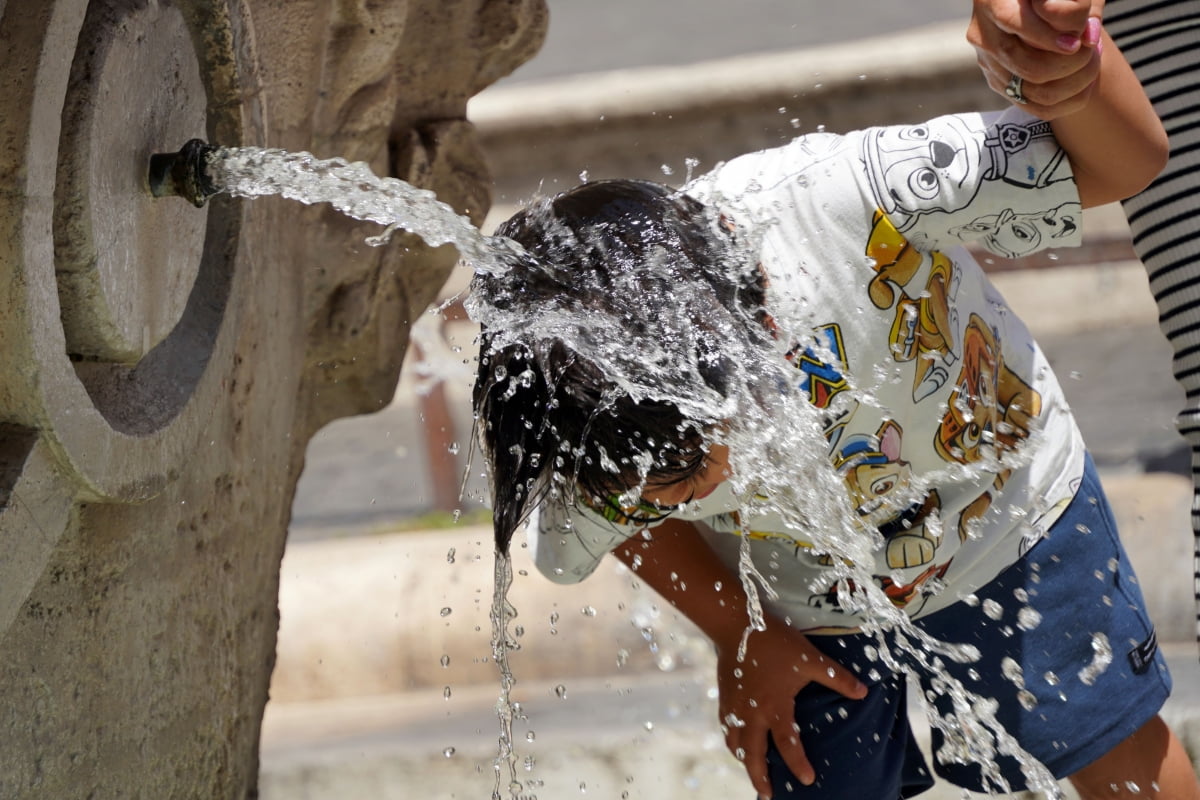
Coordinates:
<point>1084,86</point>
<point>677,563</point>
<point>1116,143</point>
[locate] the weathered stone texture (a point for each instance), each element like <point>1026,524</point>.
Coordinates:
<point>163,368</point>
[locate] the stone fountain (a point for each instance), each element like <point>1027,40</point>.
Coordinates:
<point>164,367</point>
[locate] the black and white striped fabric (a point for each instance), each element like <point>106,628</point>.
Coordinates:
<point>1162,41</point>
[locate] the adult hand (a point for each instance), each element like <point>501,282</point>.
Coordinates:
<point>1050,44</point>
<point>757,697</point>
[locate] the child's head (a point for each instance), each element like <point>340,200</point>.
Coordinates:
<point>610,354</point>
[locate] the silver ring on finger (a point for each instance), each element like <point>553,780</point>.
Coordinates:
<point>1013,90</point>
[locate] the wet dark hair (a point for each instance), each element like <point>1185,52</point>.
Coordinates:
<point>661,267</point>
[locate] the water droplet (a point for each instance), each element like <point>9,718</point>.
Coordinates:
<point>1028,618</point>
<point>445,612</point>
<point>446,693</point>
<point>1012,672</point>
<point>588,611</point>
<point>449,751</point>
<point>561,691</point>
<point>445,660</point>
<point>450,556</point>
<point>530,736</point>
<point>1102,657</point>
<point>1050,678</point>
<point>992,609</point>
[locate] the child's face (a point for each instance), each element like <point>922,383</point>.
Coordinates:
<point>714,470</point>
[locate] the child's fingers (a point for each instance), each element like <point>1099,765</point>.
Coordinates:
<point>753,753</point>
<point>834,676</point>
<point>750,746</point>
<point>786,735</point>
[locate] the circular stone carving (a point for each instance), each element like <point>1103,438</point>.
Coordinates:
<point>125,263</point>
<point>120,378</point>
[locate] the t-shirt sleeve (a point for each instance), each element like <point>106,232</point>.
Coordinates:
<point>1000,180</point>
<point>568,541</point>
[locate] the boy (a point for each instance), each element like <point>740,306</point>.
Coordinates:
<point>664,370</point>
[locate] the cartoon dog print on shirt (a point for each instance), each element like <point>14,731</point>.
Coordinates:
<point>991,411</point>
<point>939,167</point>
<point>921,169</point>
<point>1013,235</point>
<point>823,366</point>
<point>880,485</point>
<point>909,596</point>
<point>923,329</point>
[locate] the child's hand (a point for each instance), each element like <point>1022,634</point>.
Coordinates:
<point>757,694</point>
<point>1051,45</point>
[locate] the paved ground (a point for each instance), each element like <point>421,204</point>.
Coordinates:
<point>590,36</point>
<point>634,737</point>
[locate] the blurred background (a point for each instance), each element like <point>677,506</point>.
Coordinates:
<point>384,685</point>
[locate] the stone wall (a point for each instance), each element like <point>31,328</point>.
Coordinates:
<point>163,367</point>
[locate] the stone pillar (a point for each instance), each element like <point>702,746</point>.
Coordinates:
<point>163,367</point>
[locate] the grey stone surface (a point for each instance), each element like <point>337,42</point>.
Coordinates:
<point>164,368</point>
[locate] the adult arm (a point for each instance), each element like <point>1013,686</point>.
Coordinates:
<point>1096,106</point>
<point>1048,43</point>
<point>758,692</point>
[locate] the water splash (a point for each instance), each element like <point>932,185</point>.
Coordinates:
<point>354,190</point>
<point>502,614</point>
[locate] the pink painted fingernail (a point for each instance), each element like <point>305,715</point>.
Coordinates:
<point>1068,42</point>
<point>1091,33</point>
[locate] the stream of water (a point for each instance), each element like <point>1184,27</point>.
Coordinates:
<point>800,485</point>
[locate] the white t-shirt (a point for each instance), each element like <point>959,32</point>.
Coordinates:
<point>861,238</point>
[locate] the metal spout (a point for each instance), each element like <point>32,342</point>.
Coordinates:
<point>183,174</point>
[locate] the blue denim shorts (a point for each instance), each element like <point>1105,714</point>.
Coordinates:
<point>1066,715</point>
